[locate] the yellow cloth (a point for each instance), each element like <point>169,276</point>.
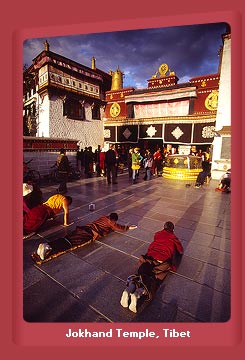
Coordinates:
<point>135,161</point>
<point>135,167</point>
<point>55,202</point>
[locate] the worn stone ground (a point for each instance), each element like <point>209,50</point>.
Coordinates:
<point>85,285</point>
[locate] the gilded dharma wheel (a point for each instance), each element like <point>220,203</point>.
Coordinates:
<point>182,167</point>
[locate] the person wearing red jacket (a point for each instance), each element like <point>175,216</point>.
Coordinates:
<point>161,257</point>
<point>157,157</point>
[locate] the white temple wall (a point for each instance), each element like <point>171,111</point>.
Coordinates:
<point>223,117</point>
<point>87,132</point>
<point>221,157</point>
<point>43,116</point>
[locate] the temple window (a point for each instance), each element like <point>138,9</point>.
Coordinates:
<point>130,111</point>
<point>73,109</point>
<point>191,106</point>
<point>96,112</point>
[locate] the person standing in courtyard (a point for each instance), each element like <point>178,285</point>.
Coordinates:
<point>204,175</point>
<point>148,163</point>
<point>63,170</point>
<point>136,163</point>
<point>129,163</point>
<point>111,165</point>
<point>161,257</point>
<point>102,162</point>
<point>158,159</point>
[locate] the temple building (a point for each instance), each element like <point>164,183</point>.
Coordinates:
<point>181,117</point>
<point>165,113</point>
<point>64,100</point>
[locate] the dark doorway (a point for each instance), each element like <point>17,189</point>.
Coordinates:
<point>151,144</point>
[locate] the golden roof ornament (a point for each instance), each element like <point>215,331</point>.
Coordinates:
<point>93,65</point>
<point>117,80</point>
<point>154,76</point>
<point>46,46</point>
<point>163,69</point>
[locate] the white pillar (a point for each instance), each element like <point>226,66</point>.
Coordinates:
<point>223,117</point>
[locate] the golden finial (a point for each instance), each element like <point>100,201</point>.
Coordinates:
<point>46,46</point>
<point>93,65</point>
<point>117,80</point>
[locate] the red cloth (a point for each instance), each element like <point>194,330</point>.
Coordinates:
<point>25,207</point>
<point>164,246</point>
<point>157,156</point>
<point>102,160</point>
<point>36,217</point>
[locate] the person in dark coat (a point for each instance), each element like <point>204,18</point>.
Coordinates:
<point>111,165</point>
<point>63,169</point>
<point>204,175</point>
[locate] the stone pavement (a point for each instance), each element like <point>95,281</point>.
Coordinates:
<point>85,285</point>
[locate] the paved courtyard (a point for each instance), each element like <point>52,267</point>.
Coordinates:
<point>85,285</point>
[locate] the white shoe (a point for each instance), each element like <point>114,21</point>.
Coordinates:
<point>124,299</point>
<point>134,298</point>
<point>133,303</point>
<point>43,250</point>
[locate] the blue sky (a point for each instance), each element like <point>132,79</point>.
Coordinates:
<point>190,51</point>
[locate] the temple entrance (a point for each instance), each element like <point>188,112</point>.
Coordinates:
<point>151,144</point>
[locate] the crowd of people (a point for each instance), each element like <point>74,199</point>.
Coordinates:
<point>107,163</point>
<point>104,163</point>
<point>119,158</point>
<point>165,248</point>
